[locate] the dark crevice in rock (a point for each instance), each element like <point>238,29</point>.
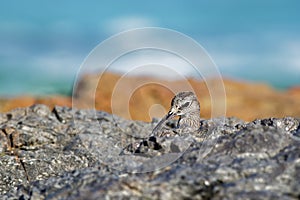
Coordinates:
<point>24,168</point>
<point>10,139</point>
<point>56,114</point>
<point>9,116</point>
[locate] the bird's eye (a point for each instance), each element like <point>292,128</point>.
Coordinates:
<point>185,105</point>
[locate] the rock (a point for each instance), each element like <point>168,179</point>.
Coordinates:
<point>144,94</point>
<point>75,154</point>
<point>8,104</point>
<point>242,98</point>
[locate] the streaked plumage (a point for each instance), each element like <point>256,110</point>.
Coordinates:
<point>186,106</point>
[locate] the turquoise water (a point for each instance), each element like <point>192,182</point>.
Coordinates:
<point>42,44</point>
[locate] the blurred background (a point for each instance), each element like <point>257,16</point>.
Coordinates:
<point>43,43</point>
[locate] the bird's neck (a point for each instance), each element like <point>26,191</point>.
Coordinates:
<point>191,120</point>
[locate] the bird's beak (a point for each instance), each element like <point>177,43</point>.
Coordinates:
<point>171,113</point>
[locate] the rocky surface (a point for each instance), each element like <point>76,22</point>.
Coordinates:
<point>245,100</point>
<point>8,104</point>
<point>68,153</point>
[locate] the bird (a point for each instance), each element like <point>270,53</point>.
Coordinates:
<point>187,107</point>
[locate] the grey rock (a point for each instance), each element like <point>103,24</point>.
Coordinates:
<point>75,154</point>
<point>3,118</point>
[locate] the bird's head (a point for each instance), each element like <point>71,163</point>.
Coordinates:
<point>184,103</point>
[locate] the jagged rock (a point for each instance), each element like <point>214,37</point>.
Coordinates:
<point>8,104</point>
<point>75,154</point>
<point>242,98</point>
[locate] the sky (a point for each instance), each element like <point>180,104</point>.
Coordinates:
<point>44,43</point>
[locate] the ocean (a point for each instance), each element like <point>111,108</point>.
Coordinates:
<point>43,44</point>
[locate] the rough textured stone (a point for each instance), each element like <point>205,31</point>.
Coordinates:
<point>75,154</point>
<point>8,104</point>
